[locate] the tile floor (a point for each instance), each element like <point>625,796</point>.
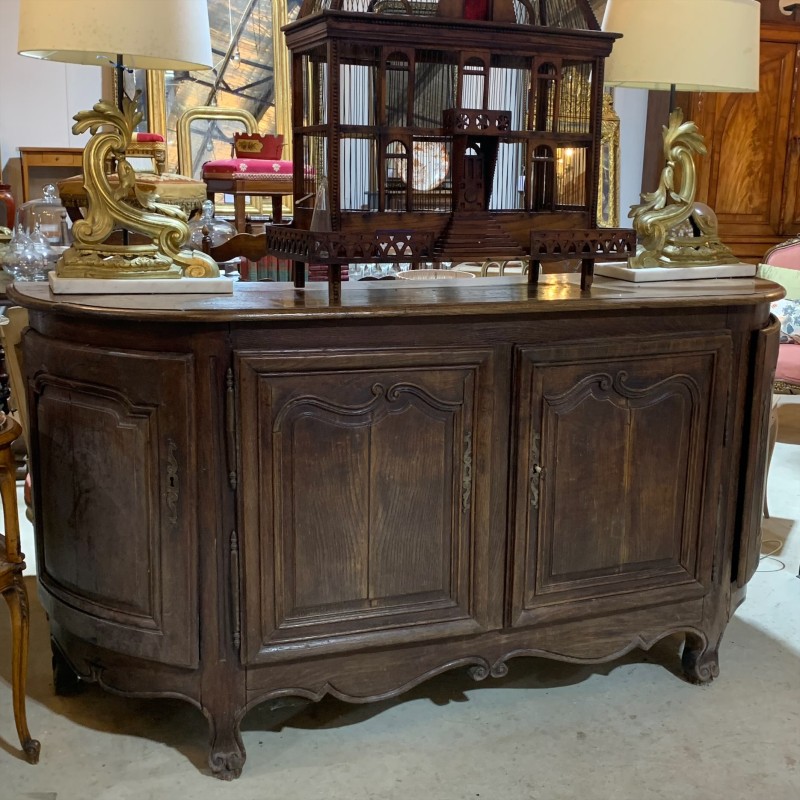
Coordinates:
<point>631,730</point>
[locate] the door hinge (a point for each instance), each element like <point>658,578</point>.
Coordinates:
<point>466,472</point>
<point>536,471</point>
<point>173,482</point>
<point>235,588</point>
<point>230,429</point>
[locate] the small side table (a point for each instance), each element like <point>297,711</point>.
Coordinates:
<point>58,157</point>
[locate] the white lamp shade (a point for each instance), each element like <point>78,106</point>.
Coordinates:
<point>149,34</point>
<point>695,45</point>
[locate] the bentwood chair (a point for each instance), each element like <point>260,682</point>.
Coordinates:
<point>12,587</point>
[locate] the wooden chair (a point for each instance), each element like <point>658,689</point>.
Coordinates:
<point>12,587</point>
<point>250,174</point>
<point>784,256</point>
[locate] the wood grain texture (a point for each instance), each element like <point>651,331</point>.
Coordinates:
<point>507,296</point>
<point>118,457</point>
<point>751,174</point>
<point>387,522</point>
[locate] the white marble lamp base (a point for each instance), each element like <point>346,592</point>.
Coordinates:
<point>622,271</point>
<point>219,285</point>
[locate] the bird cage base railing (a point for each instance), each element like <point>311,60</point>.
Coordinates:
<point>598,244</point>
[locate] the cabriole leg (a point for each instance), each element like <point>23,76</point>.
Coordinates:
<point>17,598</point>
<point>700,659</point>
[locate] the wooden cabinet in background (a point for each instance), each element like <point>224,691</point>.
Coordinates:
<point>751,175</point>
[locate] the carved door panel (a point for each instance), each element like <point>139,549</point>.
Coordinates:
<point>362,521</point>
<point>119,459</point>
<point>750,175</point>
<point>618,513</point>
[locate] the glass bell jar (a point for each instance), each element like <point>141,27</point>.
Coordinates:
<point>219,231</point>
<point>51,217</point>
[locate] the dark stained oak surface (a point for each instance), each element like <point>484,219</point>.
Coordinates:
<point>507,295</point>
<point>245,497</point>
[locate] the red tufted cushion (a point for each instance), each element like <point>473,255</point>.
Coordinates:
<point>788,369</point>
<point>253,145</point>
<point>147,137</point>
<point>253,168</point>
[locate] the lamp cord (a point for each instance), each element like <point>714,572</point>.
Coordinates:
<point>120,95</point>
<point>120,80</point>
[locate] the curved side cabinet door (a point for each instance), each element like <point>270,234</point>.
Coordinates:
<point>113,469</point>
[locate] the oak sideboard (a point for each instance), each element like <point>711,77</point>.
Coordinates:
<point>244,497</point>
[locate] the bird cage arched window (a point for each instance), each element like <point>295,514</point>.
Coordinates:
<point>543,184</point>
<point>570,177</point>
<point>474,83</point>
<point>396,176</point>
<point>575,99</point>
<point>545,88</point>
<point>398,113</point>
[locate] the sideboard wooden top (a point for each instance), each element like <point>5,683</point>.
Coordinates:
<point>422,298</point>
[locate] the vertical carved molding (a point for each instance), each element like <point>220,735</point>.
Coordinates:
<point>466,472</point>
<point>536,469</point>
<point>173,481</point>
<point>234,575</point>
<point>230,429</point>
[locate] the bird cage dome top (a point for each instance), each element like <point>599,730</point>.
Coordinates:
<point>558,14</point>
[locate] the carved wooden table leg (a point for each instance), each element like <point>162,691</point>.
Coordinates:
<point>587,273</point>
<point>226,755</point>
<point>700,660</point>
<point>12,586</point>
<point>335,284</point>
<point>17,598</point>
<point>299,275</point>
<point>65,680</point>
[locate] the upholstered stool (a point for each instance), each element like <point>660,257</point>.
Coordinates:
<point>177,190</point>
<point>256,170</point>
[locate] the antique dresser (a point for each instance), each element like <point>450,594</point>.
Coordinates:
<point>245,497</point>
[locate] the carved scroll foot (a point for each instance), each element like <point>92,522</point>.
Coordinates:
<point>227,754</point>
<point>480,672</point>
<point>65,680</point>
<point>700,660</point>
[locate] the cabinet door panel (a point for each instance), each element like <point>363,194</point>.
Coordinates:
<point>119,459</point>
<point>361,520</point>
<point>617,472</point>
<point>748,134</point>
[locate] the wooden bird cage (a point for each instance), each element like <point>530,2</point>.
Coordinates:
<point>442,131</point>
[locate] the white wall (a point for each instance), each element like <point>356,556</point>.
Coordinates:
<point>38,98</point>
<point>631,107</point>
